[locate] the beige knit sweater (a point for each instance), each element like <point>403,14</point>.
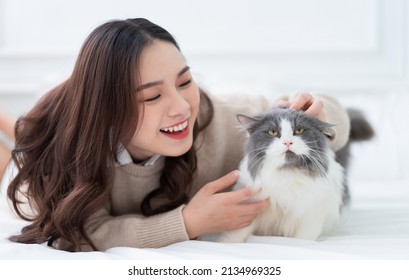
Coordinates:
<point>219,150</point>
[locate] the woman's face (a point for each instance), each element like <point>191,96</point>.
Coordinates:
<point>169,103</point>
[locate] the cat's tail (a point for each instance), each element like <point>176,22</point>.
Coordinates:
<point>361,129</point>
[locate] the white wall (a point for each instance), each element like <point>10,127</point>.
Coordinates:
<point>341,47</point>
<point>231,44</point>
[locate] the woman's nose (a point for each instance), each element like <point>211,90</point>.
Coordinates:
<point>178,104</point>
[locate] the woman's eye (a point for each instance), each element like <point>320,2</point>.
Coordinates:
<point>150,99</point>
<point>185,84</point>
<point>273,133</point>
<point>299,131</point>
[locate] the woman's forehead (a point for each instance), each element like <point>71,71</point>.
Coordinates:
<point>158,60</point>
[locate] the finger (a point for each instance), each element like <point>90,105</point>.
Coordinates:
<point>315,109</point>
<point>283,104</point>
<point>244,223</point>
<point>242,194</point>
<point>321,116</point>
<point>222,183</point>
<point>255,208</point>
<point>252,211</point>
<point>302,101</point>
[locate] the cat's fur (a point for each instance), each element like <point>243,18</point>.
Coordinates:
<point>289,157</point>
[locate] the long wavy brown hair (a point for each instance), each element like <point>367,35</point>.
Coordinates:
<point>67,144</point>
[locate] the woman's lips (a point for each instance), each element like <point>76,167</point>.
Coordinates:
<point>177,131</point>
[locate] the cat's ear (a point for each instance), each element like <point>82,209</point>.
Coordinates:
<point>246,122</point>
<point>327,129</point>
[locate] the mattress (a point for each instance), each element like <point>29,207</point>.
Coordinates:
<point>374,226</point>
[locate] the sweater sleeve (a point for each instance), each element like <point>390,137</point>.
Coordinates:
<point>134,230</point>
<point>337,115</point>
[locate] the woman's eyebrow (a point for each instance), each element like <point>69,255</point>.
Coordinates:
<point>156,83</point>
<point>184,70</point>
<point>148,85</point>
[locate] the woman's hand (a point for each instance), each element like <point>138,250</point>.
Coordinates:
<point>210,211</point>
<point>305,102</point>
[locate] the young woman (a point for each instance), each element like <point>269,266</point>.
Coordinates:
<point>130,152</point>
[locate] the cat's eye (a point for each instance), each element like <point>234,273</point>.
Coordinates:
<point>273,133</point>
<point>299,131</point>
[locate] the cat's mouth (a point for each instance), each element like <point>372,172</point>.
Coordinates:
<point>289,155</point>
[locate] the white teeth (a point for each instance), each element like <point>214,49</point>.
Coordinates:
<point>175,128</point>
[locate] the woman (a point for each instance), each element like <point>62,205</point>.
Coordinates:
<point>130,152</point>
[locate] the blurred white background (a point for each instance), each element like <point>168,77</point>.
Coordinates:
<point>356,50</point>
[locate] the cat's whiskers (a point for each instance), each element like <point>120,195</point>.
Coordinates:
<point>304,159</point>
<point>257,149</point>
<point>319,153</point>
<point>318,165</point>
<point>251,162</point>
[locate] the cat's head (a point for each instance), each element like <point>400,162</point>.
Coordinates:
<point>287,139</point>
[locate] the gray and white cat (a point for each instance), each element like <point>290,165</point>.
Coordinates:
<point>289,157</point>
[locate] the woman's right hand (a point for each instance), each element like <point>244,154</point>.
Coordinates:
<point>212,211</point>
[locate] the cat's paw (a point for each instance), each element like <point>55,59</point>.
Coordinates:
<point>232,237</point>
<point>229,240</point>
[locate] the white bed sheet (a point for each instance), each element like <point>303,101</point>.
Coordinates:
<point>376,226</point>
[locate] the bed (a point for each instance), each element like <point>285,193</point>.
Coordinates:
<point>375,225</point>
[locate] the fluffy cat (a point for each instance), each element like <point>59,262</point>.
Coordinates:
<point>288,156</point>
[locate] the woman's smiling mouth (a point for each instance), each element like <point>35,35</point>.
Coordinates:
<point>177,131</point>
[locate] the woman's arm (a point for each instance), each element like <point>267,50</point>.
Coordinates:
<point>131,230</point>
<point>5,156</point>
<point>223,211</point>
<point>7,125</point>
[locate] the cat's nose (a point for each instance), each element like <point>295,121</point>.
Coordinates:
<point>288,143</point>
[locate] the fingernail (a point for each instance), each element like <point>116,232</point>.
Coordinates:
<point>258,190</point>
<point>268,202</point>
